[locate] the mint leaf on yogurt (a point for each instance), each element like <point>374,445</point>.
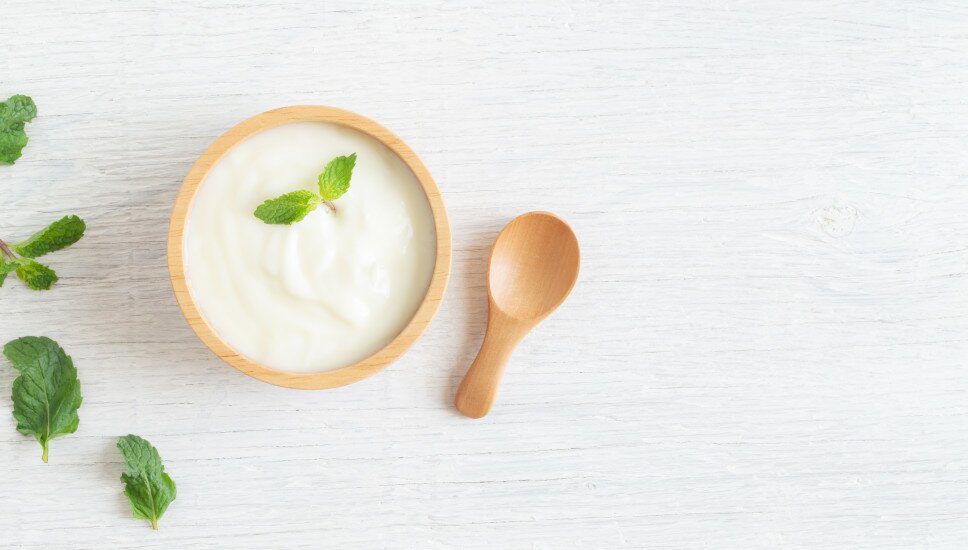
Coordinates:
<point>14,113</point>
<point>292,207</point>
<point>289,208</point>
<point>335,179</point>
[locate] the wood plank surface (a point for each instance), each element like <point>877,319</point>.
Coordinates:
<point>766,347</point>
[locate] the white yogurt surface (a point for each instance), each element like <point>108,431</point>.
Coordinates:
<point>324,292</point>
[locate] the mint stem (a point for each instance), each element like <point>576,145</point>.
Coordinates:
<point>329,204</point>
<point>9,253</point>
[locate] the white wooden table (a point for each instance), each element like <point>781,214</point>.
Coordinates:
<point>768,345</point>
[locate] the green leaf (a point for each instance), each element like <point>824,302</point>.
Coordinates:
<point>47,393</point>
<point>37,275</point>
<point>288,208</point>
<point>17,109</point>
<point>56,236</point>
<point>6,267</point>
<point>147,486</point>
<point>11,145</point>
<point>14,113</point>
<point>335,179</point>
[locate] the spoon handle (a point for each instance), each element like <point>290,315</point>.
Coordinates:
<point>479,387</point>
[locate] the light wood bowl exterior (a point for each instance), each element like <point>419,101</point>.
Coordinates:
<point>326,379</point>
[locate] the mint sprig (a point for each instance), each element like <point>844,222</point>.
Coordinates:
<point>19,257</point>
<point>292,207</point>
<point>15,112</point>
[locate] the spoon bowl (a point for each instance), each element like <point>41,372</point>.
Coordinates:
<point>533,266</point>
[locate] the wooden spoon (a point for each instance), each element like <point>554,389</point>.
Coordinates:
<point>533,266</point>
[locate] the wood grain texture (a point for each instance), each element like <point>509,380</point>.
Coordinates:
<point>766,347</point>
<point>176,247</point>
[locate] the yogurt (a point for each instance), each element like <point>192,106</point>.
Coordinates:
<point>324,292</point>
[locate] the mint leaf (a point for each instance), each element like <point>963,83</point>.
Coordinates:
<point>17,109</point>
<point>60,234</point>
<point>6,267</point>
<point>148,488</point>
<point>293,207</point>
<point>11,145</point>
<point>47,393</point>
<point>335,179</point>
<point>36,275</point>
<point>288,208</point>
<point>14,113</point>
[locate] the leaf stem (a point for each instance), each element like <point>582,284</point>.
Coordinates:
<point>329,204</point>
<point>44,456</point>
<point>9,253</point>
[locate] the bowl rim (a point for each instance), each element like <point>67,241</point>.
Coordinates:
<point>186,196</point>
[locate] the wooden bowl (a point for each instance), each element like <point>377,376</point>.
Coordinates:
<point>183,204</point>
